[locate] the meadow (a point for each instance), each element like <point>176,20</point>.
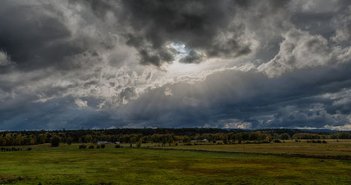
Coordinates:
<point>67,164</point>
<point>331,149</point>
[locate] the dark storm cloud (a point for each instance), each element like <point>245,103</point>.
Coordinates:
<point>31,38</point>
<point>197,24</point>
<point>59,114</point>
<point>207,28</point>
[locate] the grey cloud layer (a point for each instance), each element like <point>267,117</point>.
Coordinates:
<point>245,64</point>
<point>197,24</point>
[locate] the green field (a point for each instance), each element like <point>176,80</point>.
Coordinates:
<point>69,165</point>
<point>332,149</point>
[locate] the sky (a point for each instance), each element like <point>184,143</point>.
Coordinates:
<point>247,64</point>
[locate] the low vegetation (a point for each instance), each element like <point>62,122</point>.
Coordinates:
<point>187,156</point>
<point>67,164</point>
<point>165,137</point>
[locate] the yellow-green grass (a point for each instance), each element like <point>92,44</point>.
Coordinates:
<point>332,148</point>
<point>69,165</point>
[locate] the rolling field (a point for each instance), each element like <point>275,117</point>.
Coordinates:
<point>69,165</point>
<point>332,148</point>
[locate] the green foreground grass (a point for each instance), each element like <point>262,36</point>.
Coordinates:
<point>69,165</point>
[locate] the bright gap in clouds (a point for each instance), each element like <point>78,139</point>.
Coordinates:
<point>176,67</point>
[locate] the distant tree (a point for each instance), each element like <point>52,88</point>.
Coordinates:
<point>82,146</point>
<point>2,141</point>
<point>88,138</point>
<point>268,138</point>
<point>239,138</point>
<point>18,139</point>
<point>33,140</point>
<point>42,138</point>
<point>55,141</point>
<point>284,136</point>
<point>69,140</point>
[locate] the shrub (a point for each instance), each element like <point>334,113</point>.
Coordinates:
<point>102,145</point>
<point>55,141</point>
<point>91,147</point>
<point>276,141</point>
<point>69,140</point>
<point>82,146</point>
<point>117,146</point>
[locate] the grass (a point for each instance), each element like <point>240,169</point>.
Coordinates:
<point>332,148</point>
<point>68,165</point>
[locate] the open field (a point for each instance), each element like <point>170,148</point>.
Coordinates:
<point>333,148</point>
<point>69,165</point>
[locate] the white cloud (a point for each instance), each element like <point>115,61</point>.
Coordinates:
<point>346,127</point>
<point>168,91</point>
<point>237,124</point>
<point>81,103</point>
<point>299,50</point>
<point>4,59</point>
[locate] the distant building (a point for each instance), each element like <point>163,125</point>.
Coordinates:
<point>103,142</point>
<point>199,141</point>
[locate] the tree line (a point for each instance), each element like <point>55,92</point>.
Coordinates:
<point>162,136</point>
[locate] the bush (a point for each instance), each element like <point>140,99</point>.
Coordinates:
<point>55,141</point>
<point>82,146</point>
<point>117,146</point>
<point>91,147</point>
<point>69,140</point>
<point>317,141</point>
<point>276,141</point>
<point>102,145</point>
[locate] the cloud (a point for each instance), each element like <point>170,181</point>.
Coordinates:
<point>44,41</point>
<point>236,124</point>
<point>315,6</point>
<point>206,26</point>
<point>81,103</point>
<point>4,59</point>
<point>177,63</point>
<point>293,99</point>
<point>298,50</point>
<point>346,127</point>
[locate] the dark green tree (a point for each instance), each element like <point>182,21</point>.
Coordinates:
<point>55,141</point>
